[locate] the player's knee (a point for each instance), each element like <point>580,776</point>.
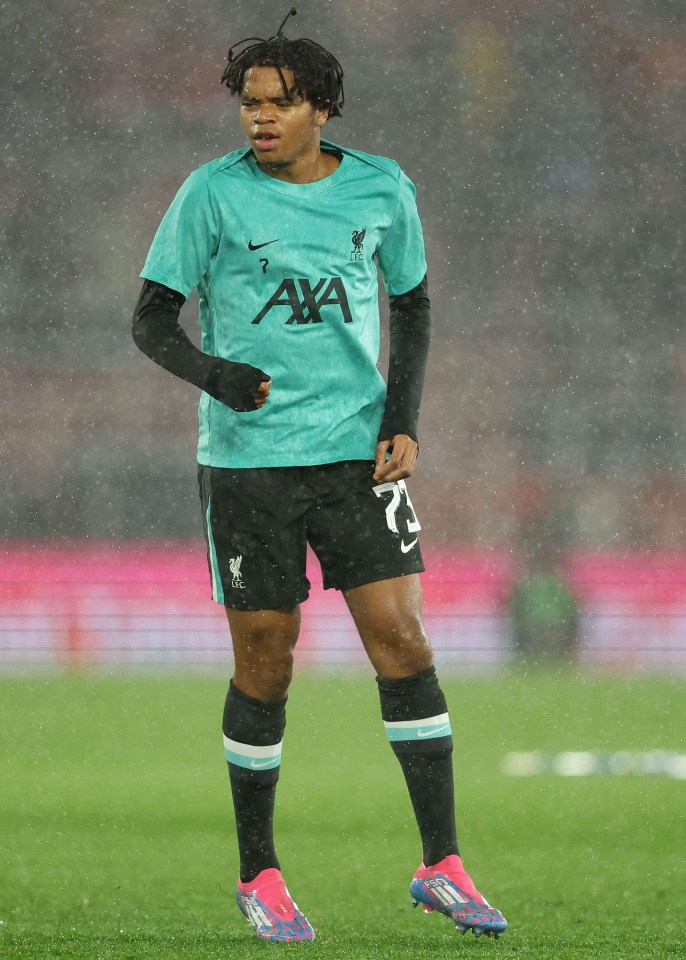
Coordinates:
<point>265,678</point>
<point>407,632</point>
<point>404,648</point>
<point>264,661</point>
<point>273,673</point>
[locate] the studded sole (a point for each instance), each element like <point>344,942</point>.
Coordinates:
<point>462,927</point>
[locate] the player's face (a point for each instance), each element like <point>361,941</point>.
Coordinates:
<point>280,129</point>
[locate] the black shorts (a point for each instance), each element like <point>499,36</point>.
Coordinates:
<point>258,522</point>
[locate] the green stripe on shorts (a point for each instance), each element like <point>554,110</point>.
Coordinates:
<point>217,586</point>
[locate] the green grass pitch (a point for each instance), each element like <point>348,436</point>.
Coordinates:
<point>117,840</point>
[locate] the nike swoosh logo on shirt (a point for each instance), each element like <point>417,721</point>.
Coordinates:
<point>433,732</point>
<point>257,246</point>
<point>407,546</point>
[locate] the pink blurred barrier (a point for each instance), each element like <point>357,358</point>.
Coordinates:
<point>138,604</point>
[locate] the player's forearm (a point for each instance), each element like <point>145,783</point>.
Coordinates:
<point>157,332</point>
<point>410,329</point>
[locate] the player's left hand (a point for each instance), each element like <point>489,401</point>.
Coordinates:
<point>402,455</point>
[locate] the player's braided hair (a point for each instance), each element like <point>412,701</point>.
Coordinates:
<point>317,74</point>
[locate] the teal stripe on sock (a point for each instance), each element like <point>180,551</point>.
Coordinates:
<point>251,756</point>
<point>418,731</point>
<point>252,763</point>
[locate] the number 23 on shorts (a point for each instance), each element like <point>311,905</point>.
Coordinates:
<point>398,491</point>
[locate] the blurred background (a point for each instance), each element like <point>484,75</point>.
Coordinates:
<point>547,143</point>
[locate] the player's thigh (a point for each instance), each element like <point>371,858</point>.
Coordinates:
<point>254,527</point>
<point>388,617</point>
<point>362,532</point>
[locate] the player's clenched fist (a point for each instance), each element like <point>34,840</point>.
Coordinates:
<point>262,394</point>
<point>239,385</point>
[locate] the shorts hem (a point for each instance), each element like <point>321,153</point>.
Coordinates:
<point>362,580</point>
<point>277,604</point>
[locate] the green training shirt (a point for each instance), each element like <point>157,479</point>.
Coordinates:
<point>287,280</point>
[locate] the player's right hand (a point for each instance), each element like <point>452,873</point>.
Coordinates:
<point>239,385</point>
<point>262,394</point>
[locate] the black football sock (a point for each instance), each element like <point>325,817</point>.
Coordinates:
<point>253,731</point>
<point>415,715</point>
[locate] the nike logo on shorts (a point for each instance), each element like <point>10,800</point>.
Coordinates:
<point>405,547</point>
